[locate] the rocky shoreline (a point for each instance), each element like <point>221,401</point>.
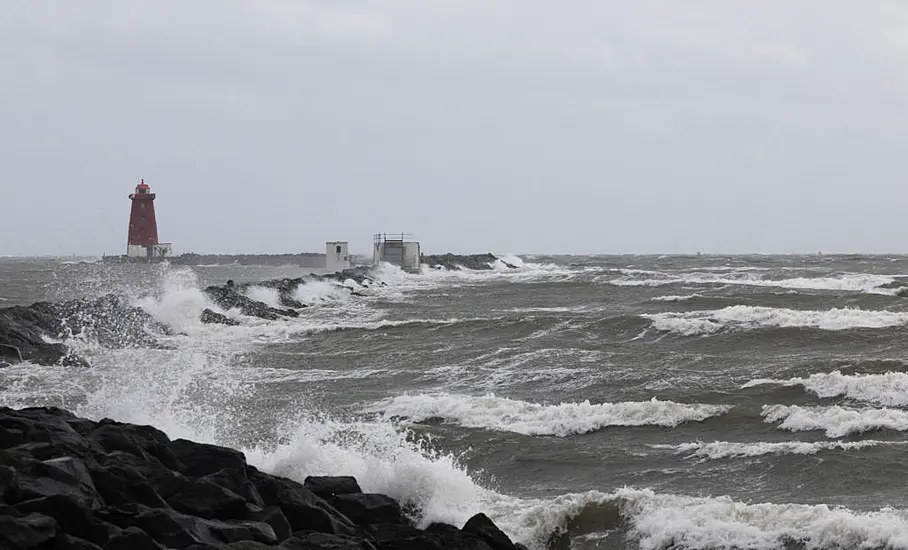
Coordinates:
<point>37,333</point>
<point>70,483</point>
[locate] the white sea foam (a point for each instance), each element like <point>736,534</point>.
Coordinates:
<point>889,389</point>
<point>731,449</point>
<point>322,292</point>
<point>835,421</point>
<point>694,323</point>
<point>853,282</point>
<point>510,415</point>
<point>268,296</point>
<point>663,521</point>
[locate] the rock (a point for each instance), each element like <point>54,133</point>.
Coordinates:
<point>363,509</point>
<point>10,355</point>
<point>206,499</point>
<point>449,536</point>
<point>302,508</point>
<point>402,537</point>
<point>201,459</point>
<point>122,485</point>
<point>483,527</point>
<point>133,538</point>
<point>328,486</point>
<point>237,482</point>
<point>324,541</point>
<point>479,262</point>
<point>108,321</point>
<point>72,518</point>
<point>72,484</point>
<point>229,297</point>
<point>26,532</point>
<point>67,542</point>
<point>61,476</point>
<point>273,516</point>
<point>213,317</point>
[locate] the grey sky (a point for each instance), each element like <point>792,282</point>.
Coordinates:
<point>505,125</point>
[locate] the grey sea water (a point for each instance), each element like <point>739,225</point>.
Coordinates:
<point>585,402</point>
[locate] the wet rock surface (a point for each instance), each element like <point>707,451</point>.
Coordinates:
<point>70,483</point>
<point>482,262</point>
<point>109,321</point>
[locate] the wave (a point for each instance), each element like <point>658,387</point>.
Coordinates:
<point>696,323</point>
<point>889,389</point>
<point>676,298</point>
<point>509,415</point>
<point>730,449</point>
<point>836,421</point>
<point>851,282</point>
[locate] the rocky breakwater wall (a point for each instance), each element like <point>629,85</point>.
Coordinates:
<point>479,262</point>
<point>235,296</point>
<point>34,333</point>
<point>69,483</point>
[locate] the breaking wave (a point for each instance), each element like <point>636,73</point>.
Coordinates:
<point>853,282</point>
<point>889,389</point>
<point>730,449</point>
<point>836,421</point>
<point>696,323</point>
<point>509,415</point>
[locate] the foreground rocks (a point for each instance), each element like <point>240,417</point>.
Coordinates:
<point>69,483</point>
<point>109,321</point>
<point>454,261</point>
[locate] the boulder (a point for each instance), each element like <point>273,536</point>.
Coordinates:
<point>200,459</point>
<point>26,532</point>
<point>363,509</point>
<point>302,508</point>
<point>213,317</point>
<point>483,527</point>
<point>328,486</point>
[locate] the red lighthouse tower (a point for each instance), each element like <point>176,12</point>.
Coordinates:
<point>143,227</point>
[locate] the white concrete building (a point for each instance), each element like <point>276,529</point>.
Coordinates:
<point>337,256</point>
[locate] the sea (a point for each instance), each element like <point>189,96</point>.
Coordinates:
<point>696,402</point>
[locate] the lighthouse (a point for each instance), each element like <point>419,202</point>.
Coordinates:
<point>142,242</point>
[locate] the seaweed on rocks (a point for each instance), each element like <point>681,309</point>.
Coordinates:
<point>70,483</point>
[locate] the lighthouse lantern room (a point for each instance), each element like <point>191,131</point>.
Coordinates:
<point>142,242</point>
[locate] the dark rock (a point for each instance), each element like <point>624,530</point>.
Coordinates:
<point>483,527</point>
<point>60,476</point>
<point>133,538</point>
<point>363,509</point>
<point>68,542</point>
<point>177,530</point>
<point>328,486</point>
<point>273,516</point>
<point>236,481</point>
<point>10,355</point>
<point>200,459</point>
<point>302,508</point>
<point>479,262</point>
<point>402,537</point>
<point>109,321</point>
<point>324,541</point>
<point>121,485</point>
<point>26,532</point>
<point>229,297</point>
<point>213,317</point>
<point>206,499</point>
<point>450,537</point>
<point>72,518</point>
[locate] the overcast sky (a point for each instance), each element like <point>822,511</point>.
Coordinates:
<point>489,125</point>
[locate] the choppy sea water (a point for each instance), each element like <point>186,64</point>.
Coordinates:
<point>584,402</point>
